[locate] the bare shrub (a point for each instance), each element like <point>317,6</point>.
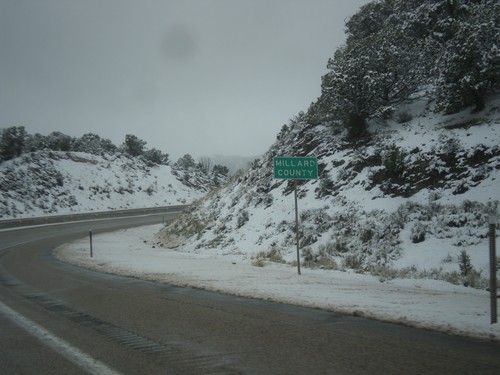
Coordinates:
<point>404,117</point>
<point>353,262</point>
<point>318,260</point>
<point>272,255</point>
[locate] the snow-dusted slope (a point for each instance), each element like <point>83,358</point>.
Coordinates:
<point>49,182</point>
<point>411,217</point>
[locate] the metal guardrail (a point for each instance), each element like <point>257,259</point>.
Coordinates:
<point>22,222</point>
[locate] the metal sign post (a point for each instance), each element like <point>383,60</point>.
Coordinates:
<point>297,225</point>
<point>292,168</point>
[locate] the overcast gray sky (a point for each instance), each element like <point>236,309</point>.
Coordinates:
<point>187,76</point>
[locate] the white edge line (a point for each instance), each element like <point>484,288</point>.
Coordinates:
<point>73,354</point>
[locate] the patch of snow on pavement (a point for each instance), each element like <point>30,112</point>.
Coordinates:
<point>416,302</point>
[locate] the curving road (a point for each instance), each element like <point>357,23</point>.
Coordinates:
<point>59,319</point>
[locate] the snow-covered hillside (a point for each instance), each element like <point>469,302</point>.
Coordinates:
<point>51,182</point>
<point>412,199</point>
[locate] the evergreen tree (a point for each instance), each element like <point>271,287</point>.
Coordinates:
<point>469,67</point>
<point>57,141</point>
<point>36,142</point>
<point>133,145</point>
<point>220,170</point>
<point>186,162</point>
<point>373,71</point>
<point>155,156</point>
<point>108,147</point>
<point>395,48</point>
<point>12,142</point>
<point>90,143</point>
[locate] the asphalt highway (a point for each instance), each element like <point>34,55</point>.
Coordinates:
<point>56,318</point>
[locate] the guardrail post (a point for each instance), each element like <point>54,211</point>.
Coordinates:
<point>493,269</point>
<point>90,237</point>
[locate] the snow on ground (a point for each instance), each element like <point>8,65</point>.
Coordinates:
<point>53,183</point>
<point>421,303</point>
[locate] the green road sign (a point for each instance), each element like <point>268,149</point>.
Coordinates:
<point>295,168</point>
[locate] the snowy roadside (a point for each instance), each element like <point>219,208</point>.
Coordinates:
<point>416,302</point>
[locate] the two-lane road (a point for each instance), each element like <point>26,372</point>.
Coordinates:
<point>59,319</point>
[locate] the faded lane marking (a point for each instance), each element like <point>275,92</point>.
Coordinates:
<point>74,355</point>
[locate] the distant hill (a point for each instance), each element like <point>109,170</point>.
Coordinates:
<point>233,163</point>
<point>56,182</point>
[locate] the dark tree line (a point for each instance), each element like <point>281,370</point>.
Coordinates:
<point>205,164</point>
<point>15,141</point>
